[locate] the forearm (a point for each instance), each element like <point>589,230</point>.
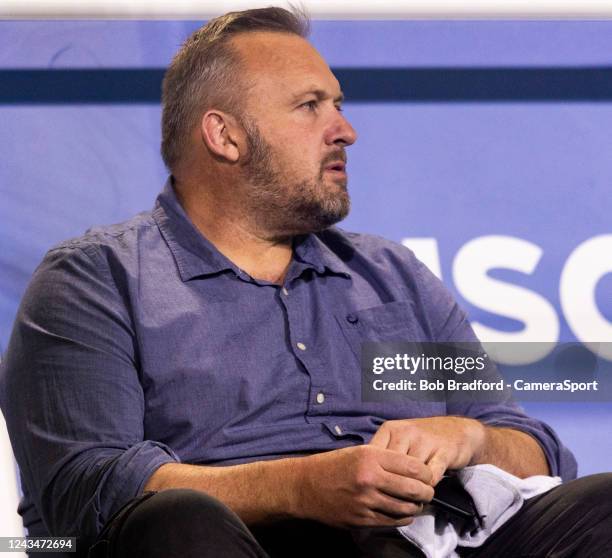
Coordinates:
<point>513,451</point>
<point>257,492</point>
<point>357,486</point>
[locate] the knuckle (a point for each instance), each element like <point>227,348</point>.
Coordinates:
<point>417,470</point>
<point>428,493</point>
<point>411,489</point>
<point>364,477</point>
<point>404,508</point>
<point>366,519</point>
<point>364,452</point>
<point>413,466</point>
<point>392,426</point>
<point>418,491</point>
<point>378,519</point>
<point>412,508</point>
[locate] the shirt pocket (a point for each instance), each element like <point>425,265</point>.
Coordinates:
<point>393,321</point>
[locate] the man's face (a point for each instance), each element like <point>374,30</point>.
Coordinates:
<point>296,160</point>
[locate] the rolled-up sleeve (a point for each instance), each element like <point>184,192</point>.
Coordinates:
<point>73,401</point>
<point>509,414</point>
<point>449,323</point>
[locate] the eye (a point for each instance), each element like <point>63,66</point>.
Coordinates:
<point>310,105</point>
<point>339,108</point>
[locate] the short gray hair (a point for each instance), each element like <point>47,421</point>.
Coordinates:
<point>204,72</point>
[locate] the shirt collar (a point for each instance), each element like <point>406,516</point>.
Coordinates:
<point>196,256</point>
<point>315,250</point>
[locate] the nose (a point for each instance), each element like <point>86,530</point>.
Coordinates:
<point>340,132</point>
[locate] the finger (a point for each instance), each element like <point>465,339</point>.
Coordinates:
<point>399,443</point>
<point>422,451</point>
<point>438,463</point>
<point>405,465</point>
<point>381,438</point>
<point>378,519</point>
<point>394,508</point>
<point>404,488</point>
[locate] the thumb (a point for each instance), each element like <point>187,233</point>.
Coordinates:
<point>381,438</point>
<point>438,464</point>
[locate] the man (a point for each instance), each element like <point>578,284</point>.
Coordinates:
<point>172,377</point>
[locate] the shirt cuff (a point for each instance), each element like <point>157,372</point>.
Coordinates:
<point>127,477</point>
<point>560,460</point>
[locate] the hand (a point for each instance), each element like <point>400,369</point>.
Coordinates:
<point>362,486</point>
<point>440,442</point>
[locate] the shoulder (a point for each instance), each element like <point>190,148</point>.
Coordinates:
<point>98,240</point>
<point>93,267</point>
<point>110,252</point>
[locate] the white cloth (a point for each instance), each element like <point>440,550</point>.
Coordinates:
<point>497,496</point>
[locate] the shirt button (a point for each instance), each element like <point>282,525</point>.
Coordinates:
<point>285,291</point>
<point>352,319</point>
<point>301,346</point>
<point>320,398</point>
<point>338,430</point>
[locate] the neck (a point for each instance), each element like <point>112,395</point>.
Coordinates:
<point>233,233</point>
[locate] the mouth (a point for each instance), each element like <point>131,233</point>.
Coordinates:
<point>337,167</point>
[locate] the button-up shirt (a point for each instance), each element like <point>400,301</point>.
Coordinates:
<point>141,344</point>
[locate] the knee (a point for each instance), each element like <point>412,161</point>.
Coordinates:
<point>183,500</point>
<point>590,496</point>
<point>178,522</point>
<point>594,487</point>
<point>179,506</point>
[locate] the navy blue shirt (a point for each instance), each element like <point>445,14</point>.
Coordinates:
<point>140,344</point>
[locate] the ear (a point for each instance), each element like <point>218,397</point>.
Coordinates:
<point>221,134</point>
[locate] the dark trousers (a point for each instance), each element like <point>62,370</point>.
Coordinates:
<point>572,520</point>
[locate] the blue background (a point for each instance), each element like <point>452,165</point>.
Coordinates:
<point>515,140</point>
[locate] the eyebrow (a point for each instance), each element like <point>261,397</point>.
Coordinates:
<point>319,94</point>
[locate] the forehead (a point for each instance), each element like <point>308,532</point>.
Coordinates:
<point>283,62</point>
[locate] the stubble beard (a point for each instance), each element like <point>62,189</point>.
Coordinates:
<point>283,205</point>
